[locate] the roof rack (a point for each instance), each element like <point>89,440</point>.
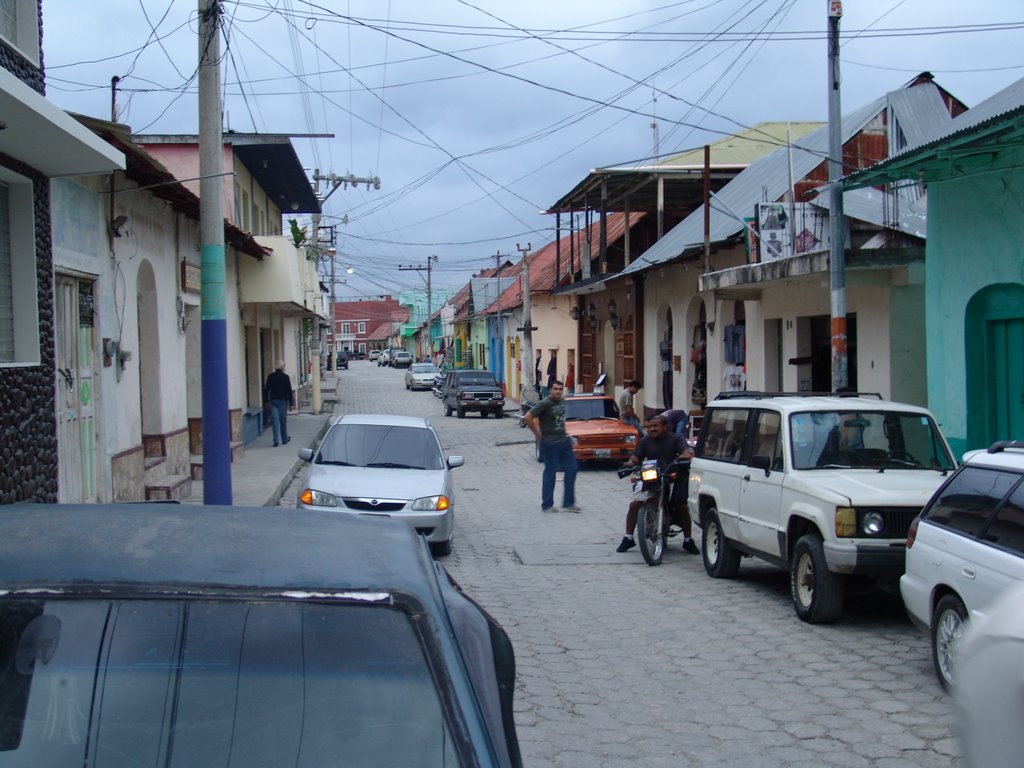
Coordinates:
<point>765,395</point>
<point>1002,445</point>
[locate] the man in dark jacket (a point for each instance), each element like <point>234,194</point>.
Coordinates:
<point>278,397</point>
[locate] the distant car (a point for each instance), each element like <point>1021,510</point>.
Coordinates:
<point>384,358</point>
<point>401,359</point>
<point>965,549</point>
<point>598,433</point>
<point>469,389</point>
<point>241,636</point>
<point>384,466</point>
<point>374,355</point>
<point>420,376</point>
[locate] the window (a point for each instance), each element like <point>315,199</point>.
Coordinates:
<point>19,25</point>
<point>346,328</point>
<point>725,434</point>
<point>19,291</point>
<point>766,438</point>
<point>362,328</point>
<point>968,500</point>
<point>1007,530</point>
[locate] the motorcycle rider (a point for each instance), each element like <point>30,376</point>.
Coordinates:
<point>666,447</point>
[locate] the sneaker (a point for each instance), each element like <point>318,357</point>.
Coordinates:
<point>548,509</point>
<point>689,546</point>
<point>625,545</point>
<point>571,508</point>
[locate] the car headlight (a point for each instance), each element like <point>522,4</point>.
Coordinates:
<point>630,438</point>
<point>872,523</point>
<point>431,504</point>
<point>312,498</point>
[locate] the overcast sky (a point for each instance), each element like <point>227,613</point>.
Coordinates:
<point>478,114</point>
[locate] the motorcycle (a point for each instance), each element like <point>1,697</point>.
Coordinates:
<point>652,484</point>
<point>528,398</point>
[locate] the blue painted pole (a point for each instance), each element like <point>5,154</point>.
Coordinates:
<point>213,296</point>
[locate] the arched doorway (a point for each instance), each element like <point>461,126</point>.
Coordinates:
<point>148,350</point>
<point>993,339</point>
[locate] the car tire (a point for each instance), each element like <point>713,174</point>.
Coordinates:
<point>441,548</point>
<point>817,592</point>
<point>948,624</point>
<point>499,413</point>
<point>721,559</point>
<point>460,412</point>
<point>447,410</point>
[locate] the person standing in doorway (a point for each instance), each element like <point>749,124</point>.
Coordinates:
<point>279,397</point>
<point>547,422</point>
<point>552,369</point>
<point>627,413</point>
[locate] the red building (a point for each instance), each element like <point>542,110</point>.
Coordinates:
<point>362,325</point>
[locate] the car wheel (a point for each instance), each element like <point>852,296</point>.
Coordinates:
<point>441,548</point>
<point>499,413</point>
<point>817,592</point>
<point>460,412</point>
<point>721,560</point>
<point>948,624</point>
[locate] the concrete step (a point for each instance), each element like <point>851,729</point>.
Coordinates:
<point>169,488</point>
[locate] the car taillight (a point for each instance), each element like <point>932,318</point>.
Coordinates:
<point>912,533</point>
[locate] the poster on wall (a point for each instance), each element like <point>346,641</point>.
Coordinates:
<point>781,237</point>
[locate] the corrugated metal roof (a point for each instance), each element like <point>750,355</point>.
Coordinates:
<point>869,205</point>
<point>766,179</point>
<point>990,113</point>
<point>919,112</point>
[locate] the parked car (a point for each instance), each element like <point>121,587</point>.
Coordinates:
<point>387,466</point>
<point>241,636</point>
<point>965,549</point>
<point>598,433</point>
<point>824,486</point>
<point>384,358</point>
<point>420,376</point>
<point>989,694</point>
<point>342,361</point>
<point>401,359</point>
<point>470,389</point>
<point>374,354</point>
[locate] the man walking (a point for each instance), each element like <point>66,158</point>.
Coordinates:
<point>547,422</point>
<point>278,396</point>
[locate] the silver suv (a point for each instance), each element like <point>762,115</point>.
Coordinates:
<point>965,550</point>
<point>825,486</point>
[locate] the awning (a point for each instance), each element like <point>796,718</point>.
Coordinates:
<point>40,134</point>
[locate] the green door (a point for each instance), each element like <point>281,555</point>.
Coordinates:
<point>1004,344</point>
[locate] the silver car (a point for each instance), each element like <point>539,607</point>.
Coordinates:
<point>420,376</point>
<point>384,466</point>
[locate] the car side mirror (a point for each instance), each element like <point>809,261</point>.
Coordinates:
<point>456,461</point>
<point>760,461</point>
<point>306,454</point>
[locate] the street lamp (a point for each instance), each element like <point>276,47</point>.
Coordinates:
<point>613,318</point>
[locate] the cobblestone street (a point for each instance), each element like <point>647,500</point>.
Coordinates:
<point>623,664</point>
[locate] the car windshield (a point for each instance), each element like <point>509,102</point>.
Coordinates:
<point>363,445</point>
<point>477,380</point>
<point>424,368</point>
<point>867,440</point>
<point>591,408</point>
<point>215,683</point>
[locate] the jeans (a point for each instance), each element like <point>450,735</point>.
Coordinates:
<point>558,457</point>
<point>279,420</point>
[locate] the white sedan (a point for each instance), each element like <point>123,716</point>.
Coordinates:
<point>420,376</point>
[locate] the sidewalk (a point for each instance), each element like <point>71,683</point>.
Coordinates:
<point>261,476</point>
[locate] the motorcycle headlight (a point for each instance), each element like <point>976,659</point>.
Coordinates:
<point>312,498</point>
<point>431,504</point>
<point>649,474</point>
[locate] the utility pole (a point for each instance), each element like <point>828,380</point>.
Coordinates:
<point>430,264</point>
<point>526,358</point>
<point>837,253</point>
<point>497,318</point>
<point>213,297</point>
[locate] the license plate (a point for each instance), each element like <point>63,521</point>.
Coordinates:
<point>602,453</point>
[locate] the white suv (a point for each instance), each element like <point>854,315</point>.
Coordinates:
<point>825,486</point>
<point>965,549</point>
